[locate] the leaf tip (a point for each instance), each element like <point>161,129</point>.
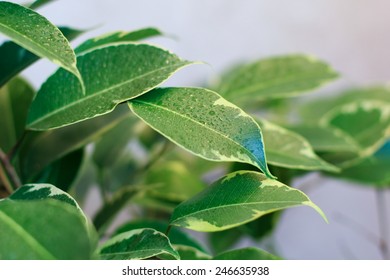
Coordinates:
<point>317,209</point>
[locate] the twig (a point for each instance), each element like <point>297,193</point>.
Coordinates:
<point>9,169</point>
<point>383,223</point>
<point>4,179</point>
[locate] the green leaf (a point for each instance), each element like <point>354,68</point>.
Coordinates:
<point>221,241</point>
<point>38,35</point>
<point>137,244</point>
<point>42,191</point>
<point>39,3</point>
<point>191,253</point>
<point>111,75</point>
<point>43,229</point>
<point>14,58</point>
<point>117,37</point>
<point>177,182</point>
<point>325,138</point>
<point>15,99</point>
<point>287,149</point>
<point>276,77</point>
<point>63,172</point>
<point>106,214</point>
<point>249,253</point>
<point>262,227</point>
<point>236,199</point>
<point>42,148</point>
<point>176,236</point>
<point>105,154</point>
<point>202,122</point>
<point>366,122</point>
<point>313,111</point>
<point>372,170</point>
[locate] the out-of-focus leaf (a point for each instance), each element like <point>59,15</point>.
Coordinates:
<point>176,236</point>
<point>202,122</point>
<point>63,171</point>
<point>324,138</point>
<point>177,182</point>
<point>191,253</point>
<point>44,39</point>
<point>137,244</point>
<point>249,253</point>
<point>221,241</point>
<point>313,111</point>
<point>287,149</point>
<point>236,199</point>
<point>367,122</point>
<point>15,99</point>
<point>15,58</point>
<point>42,148</point>
<point>105,215</point>
<point>276,77</point>
<point>374,170</point>
<point>39,3</point>
<point>117,37</point>
<point>43,229</point>
<point>112,75</point>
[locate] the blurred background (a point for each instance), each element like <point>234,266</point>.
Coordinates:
<point>351,35</point>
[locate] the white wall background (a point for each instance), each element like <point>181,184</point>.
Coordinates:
<point>352,35</point>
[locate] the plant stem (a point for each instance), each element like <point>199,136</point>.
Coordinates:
<point>4,180</point>
<point>9,169</point>
<point>383,223</point>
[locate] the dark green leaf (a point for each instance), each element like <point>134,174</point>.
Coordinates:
<point>176,236</point>
<point>191,253</point>
<point>43,229</point>
<point>38,35</point>
<point>117,37</point>
<point>276,77</point>
<point>39,3</point>
<point>105,215</point>
<point>111,75</point>
<point>15,99</point>
<point>42,148</point>
<point>14,58</point>
<point>221,241</point>
<point>137,244</point>
<point>249,253</point>
<point>63,171</point>
<point>202,122</point>
<point>236,199</point>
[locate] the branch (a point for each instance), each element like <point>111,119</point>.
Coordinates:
<point>9,169</point>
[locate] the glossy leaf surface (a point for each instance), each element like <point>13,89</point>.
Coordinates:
<point>137,244</point>
<point>44,40</point>
<point>202,122</point>
<point>236,199</point>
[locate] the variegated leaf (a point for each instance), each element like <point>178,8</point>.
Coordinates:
<point>287,149</point>
<point>137,244</point>
<point>202,122</point>
<point>236,199</point>
<point>367,122</point>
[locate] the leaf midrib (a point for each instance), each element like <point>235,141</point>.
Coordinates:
<point>239,204</point>
<point>80,101</point>
<point>41,47</point>
<point>34,243</point>
<point>200,124</point>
